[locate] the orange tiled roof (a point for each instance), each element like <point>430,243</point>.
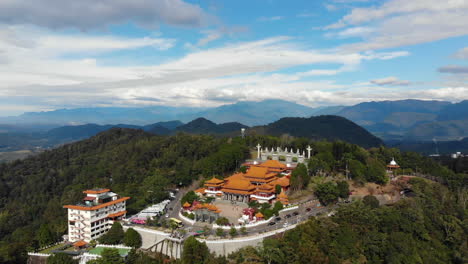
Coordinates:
<point>266,187</point>
<point>186,204</point>
<point>117,214</point>
<point>259,215</point>
<point>79,243</point>
<point>283,181</point>
<point>239,175</point>
<point>92,208</point>
<point>210,207</point>
<point>200,190</point>
<point>283,198</point>
<point>282,195</point>
<point>273,164</point>
<point>259,174</point>
<point>214,182</point>
<point>96,191</point>
<point>238,185</point>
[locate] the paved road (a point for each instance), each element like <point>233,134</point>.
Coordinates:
<point>287,218</point>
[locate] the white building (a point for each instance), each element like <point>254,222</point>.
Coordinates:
<point>95,215</point>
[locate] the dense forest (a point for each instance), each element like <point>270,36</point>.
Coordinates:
<point>143,166</point>
<point>130,162</point>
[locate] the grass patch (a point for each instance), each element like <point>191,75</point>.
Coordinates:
<point>49,250</point>
<point>98,251</point>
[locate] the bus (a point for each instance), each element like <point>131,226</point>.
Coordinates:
<point>176,221</point>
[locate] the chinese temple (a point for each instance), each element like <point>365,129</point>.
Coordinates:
<point>258,183</point>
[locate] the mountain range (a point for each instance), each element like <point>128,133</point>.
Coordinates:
<point>408,120</point>
<point>413,120</point>
<point>249,113</point>
<point>317,128</point>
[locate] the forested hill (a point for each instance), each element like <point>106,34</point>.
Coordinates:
<point>32,191</point>
<point>321,127</point>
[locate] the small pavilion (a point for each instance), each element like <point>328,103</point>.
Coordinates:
<point>283,198</point>
<point>392,167</point>
<point>206,212</point>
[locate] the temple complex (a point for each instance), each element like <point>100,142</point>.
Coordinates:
<point>258,183</point>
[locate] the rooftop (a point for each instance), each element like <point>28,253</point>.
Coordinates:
<point>96,191</point>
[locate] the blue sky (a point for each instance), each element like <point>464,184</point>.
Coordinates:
<point>68,54</point>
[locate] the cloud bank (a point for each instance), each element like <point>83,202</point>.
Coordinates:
<point>91,14</point>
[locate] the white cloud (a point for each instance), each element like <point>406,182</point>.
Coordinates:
<point>90,14</point>
<point>352,32</point>
<point>390,81</point>
<point>401,22</point>
<point>213,76</point>
<point>462,54</point>
<point>267,19</point>
<point>210,36</point>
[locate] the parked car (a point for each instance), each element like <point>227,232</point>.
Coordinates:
<point>288,215</point>
<point>308,209</point>
<point>278,219</point>
<point>295,213</point>
<point>272,223</point>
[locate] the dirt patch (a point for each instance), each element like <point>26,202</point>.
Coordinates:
<point>388,193</point>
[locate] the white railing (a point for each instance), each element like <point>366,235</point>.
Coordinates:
<point>262,197</point>
<point>245,225</point>
<point>113,246</point>
<point>186,219</point>
<point>38,254</point>
<point>289,208</point>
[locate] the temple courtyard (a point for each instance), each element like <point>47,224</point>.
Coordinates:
<point>230,209</point>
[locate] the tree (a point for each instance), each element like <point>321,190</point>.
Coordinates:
<point>189,197</point>
<point>327,192</point>
<point>343,189</point>
<point>278,189</point>
<point>154,188</point>
<point>233,232</point>
<point>132,238</point>
<point>114,236</point>
<point>194,252</point>
<point>61,258</point>
<point>222,221</point>
<point>278,206</point>
<point>220,232</point>
<point>299,177</point>
<point>371,201</point>
<point>45,236</point>
<point>243,230</point>
<point>243,169</point>
<point>357,170</point>
<point>109,256</point>
<point>270,251</point>
<point>376,172</point>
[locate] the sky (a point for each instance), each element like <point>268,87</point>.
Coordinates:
<point>58,54</point>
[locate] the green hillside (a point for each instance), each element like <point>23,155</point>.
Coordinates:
<point>319,128</point>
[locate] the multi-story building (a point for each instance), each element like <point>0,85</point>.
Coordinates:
<point>95,215</point>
